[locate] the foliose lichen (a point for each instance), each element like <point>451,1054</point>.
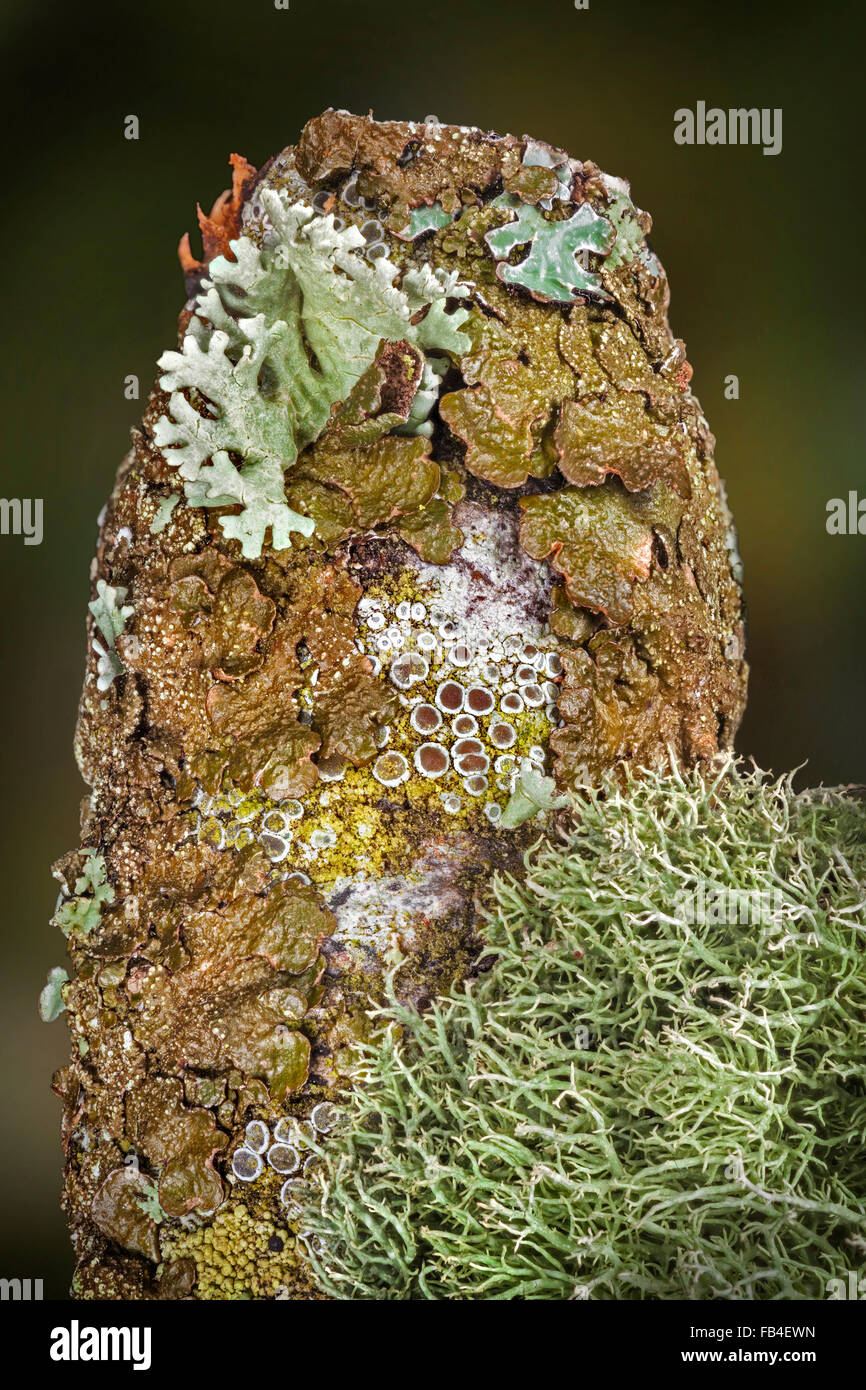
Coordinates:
<point>280,333</point>
<point>551,269</point>
<point>51,1002</point>
<point>78,912</point>
<point>110,614</point>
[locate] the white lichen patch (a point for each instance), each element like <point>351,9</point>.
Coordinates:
<point>286,1150</point>
<point>371,910</point>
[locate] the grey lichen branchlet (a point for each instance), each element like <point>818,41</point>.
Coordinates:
<point>655,1092</point>
<point>110,615</point>
<point>451,542</point>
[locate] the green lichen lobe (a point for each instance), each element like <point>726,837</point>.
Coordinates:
<point>280,334</point>
<point>79,915</point>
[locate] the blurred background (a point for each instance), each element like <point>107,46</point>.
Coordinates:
<point>763,255</point>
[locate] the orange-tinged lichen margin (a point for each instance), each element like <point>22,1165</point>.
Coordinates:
<point>223,223</point>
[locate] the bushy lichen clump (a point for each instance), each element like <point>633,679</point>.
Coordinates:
<point>628,1105</point>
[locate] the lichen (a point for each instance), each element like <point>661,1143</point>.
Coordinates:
<point>51,1001</point>
<point>110,614</point>
<point>79,914</point>
<point>222,225</point>
<point>230,619</point>
<point>162,516</point>
<point>121,1211</point>
<point>280,334</point>
<point>239,995</point>
<point>504,413</point>
<point>631,1103</point>
<point>182,1141</point>
<point>425,219</point>
<point>242,1255</point>
<point>551,270</point>
<point>599,540</point>
<point>533,795</point>
<point>630,225</point>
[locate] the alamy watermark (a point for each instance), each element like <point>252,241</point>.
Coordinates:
<point>851,1287</point>
<point>21,1290</point>
<point>846,516</point>
<point>22,516</point>
<point>736,126</point>
<point>77,1343</point>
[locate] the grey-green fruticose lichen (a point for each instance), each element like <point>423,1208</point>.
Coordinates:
<point>421,531</point>
<point>651,1088</point>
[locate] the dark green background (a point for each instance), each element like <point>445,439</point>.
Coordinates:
<point>765,258</point>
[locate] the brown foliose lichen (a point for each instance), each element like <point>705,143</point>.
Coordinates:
<point>507,548</point>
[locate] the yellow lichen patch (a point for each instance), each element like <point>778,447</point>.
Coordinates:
<point>245,1252</point>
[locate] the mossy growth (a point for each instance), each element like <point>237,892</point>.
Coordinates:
<point>656,1090</point>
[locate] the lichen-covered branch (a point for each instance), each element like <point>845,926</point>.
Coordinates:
<point>420,531</point>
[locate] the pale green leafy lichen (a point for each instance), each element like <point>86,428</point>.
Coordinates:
<point>551,270</point>
<point>418,420</point>
<point>627,1105</point>
<point>425,219</point>
<point>110,614</point>
<point>109,611</point>
<point>629,243</point>
<point>162,516</point>
<point>280,334</point>
<point>532,794</point>
<point>51,1002</point>
<point>80,915</point>
<point>149,1202</point>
